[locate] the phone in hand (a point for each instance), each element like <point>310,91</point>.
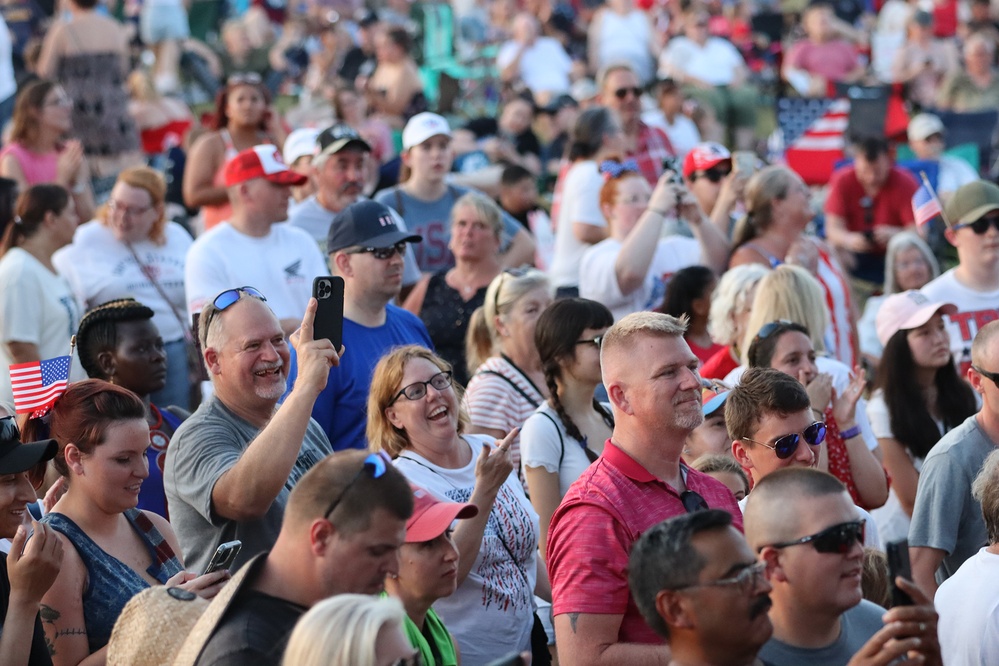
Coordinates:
<point>745,161</point>
<point>224,556</point>
<point>328,291</point>
<point>898,565</point>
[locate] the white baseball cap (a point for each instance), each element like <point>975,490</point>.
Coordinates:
<point>299,143</point>
<point>423,126</point>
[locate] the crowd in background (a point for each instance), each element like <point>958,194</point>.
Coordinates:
<point>668,332</point>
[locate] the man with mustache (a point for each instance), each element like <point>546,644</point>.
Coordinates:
<point>340,167</point>
<point>366,248</point>
<point>700,587</point>
<point>637,482</point>
<point>803,525</point>
<point>232,465</point>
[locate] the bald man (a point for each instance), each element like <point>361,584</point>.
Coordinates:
<point>947,525</point>
<point>638,482</point>
<point>803,524</point>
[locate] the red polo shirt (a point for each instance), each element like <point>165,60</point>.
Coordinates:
<point>601,516</point>
<point>651,147</point>
<point>892,206</point>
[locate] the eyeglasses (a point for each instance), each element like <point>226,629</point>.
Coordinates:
<point>621,93</point>
<point>994,376</point>
<point>747,580</point>
<point>226,299</point>
<point>981,225</point>
<point>768,329</point>
<point>243,79</point>
<point>417,390</point>
<point>127,211</point>
<point>713,175</point>
<point>785,446</point>
<point>596,340</point>
<point>382,253</point>
<point>375,465</point>
<point>836,539</point>
<point>692,502</point>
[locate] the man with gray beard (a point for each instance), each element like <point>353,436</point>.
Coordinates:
<point>638,481</point>
<point>232,464</point>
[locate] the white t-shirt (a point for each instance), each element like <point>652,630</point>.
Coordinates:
<point>545,443</point>
<point>974,310</point>
<point>867,331</point>
<point>281,265</point>
<point>598,281</point>
<point>579,201</point>
<point>626,38</point>
<point>893,521</point>
<point>682,133</point>
<point>968,606</point>
<point>38,307</point>
<point>492,612</point>
<point>840,374</point>
<point>99,268</point>
<point>544,66</point>
<point>954,172</point>
<point>716,62</point>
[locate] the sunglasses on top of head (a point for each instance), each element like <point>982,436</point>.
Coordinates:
<point>786,445</point>
<point>837,539</point>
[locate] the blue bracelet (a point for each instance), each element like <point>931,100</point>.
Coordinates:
<point>851,433</point>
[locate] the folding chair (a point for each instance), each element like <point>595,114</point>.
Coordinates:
<point>977,127</point>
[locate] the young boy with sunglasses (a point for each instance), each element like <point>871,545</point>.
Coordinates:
<point>803,525</point>
<point>772,425</point>
<point>972,218</point>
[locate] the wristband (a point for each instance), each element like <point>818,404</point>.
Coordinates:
<point>851,433</point>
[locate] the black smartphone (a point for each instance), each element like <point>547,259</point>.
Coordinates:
<point>224,556</point>
<point>673,164</point>
<point>328,290</point>
<point>898,565</point>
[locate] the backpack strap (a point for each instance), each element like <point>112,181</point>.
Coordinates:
<point>561,440</point>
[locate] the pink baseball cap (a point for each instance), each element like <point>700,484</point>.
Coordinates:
<point>431,517</point>
<point>263,161</point>
<point>905,311</point>
<point>703,156</point>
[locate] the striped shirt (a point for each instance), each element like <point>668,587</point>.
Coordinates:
<point>591,534</point>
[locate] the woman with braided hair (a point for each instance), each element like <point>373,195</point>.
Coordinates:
<point>119,343</point>
<point>567,432</point>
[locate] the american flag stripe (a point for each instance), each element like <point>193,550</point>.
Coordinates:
<point>39,400</point>
<point>37,385</point>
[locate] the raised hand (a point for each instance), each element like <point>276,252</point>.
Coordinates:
<point>33,564</point>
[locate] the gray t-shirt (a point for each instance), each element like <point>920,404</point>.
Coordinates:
<point>310,216</point>
<point>204,447</point>
<point>945,515</point>
<point>857,625</point>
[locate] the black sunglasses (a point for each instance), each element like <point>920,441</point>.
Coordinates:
<point>595,340</point>
<point>692,502</point>
<point>621,93</point>
<point>785,446</point>
<point>381,252</point>
<point>994,376</point>
<point>836,539</point>
<point>981,225</point>
<point>417,390</point>
<point>768,329</point>
<point>713,175</point>
<point>375,464</point>
<point>9,432</point>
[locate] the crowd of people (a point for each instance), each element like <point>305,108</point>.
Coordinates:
<point>614,381</point>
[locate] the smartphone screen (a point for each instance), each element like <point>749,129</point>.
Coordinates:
<point>224,556</point>
<point>328,291</point>
<point>898,565</point>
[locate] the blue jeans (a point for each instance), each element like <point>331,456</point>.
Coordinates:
<point>178,388</point>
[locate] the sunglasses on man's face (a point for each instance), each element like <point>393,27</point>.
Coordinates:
<point>621,93</point>
<point>382,253</point>
<point>786,445</point>
<point>838,539</point>
<point>981,225</point>
<point>713,175</point>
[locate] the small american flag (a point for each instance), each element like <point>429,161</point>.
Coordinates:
<point>814,135</point>
<point>925,205</point>
<point>38,384</point>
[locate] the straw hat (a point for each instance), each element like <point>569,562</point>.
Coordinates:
<point>153,625</point>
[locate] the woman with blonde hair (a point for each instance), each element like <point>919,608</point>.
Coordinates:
<point>351,630</point>
<point>446,299</point>
<point>774,232</point>
<point>508,382</point>
<point>132,251</point>
<point>415,415</point>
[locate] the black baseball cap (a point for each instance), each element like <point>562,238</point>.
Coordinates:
<point>17,457</point>
<point>366,224</point>
<point>337,137</point>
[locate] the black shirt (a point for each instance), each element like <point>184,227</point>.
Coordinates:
<point>39,655</point>
<point>254,631</point>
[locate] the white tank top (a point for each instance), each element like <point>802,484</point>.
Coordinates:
<point>626,38</point>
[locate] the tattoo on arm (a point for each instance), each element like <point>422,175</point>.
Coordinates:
<point>573,619</point>
<point>50,646</point>
<point>78,631</point>
<point>48,614</point>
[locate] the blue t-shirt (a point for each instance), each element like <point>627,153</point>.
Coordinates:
<point>341,408</point>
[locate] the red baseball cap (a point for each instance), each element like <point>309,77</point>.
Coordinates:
<point>703,156</point>
<point>263,161</point>
<point>431,517</point>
